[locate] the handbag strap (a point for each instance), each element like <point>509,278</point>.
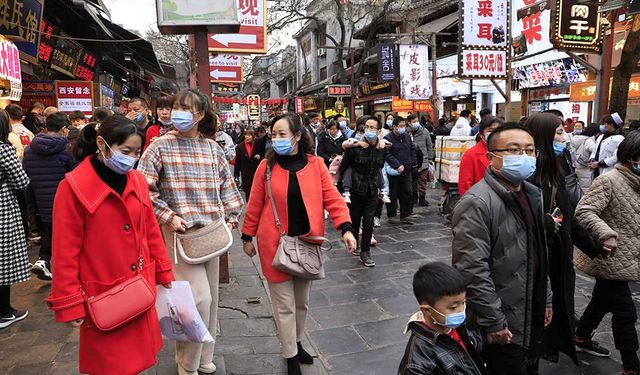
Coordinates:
<point>273,204</point>
<point>139,234</point>
<point>216,179</point>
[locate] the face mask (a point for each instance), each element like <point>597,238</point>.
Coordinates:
<point>389,122</point>
<point>415,126</point>
<point>165,122</point>
<point>517,168</point>
<point>182,120</point>
<point>370,135</point>
<point>358,137</point>
<point>119,162</point>
<point>282,146</point>
<point>577,131</point>
<point>139,118</point>
<point>558,148</point>
<point>343,124</point>
<point>603,129</point>
<point>451,321</point>
<point>402,130</point>
<point>336,136</point>
<point>486,136</point>
<point>636,168</point>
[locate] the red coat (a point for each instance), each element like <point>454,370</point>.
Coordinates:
<point>318,194</point>
<point>472,166</point>
<point>153,132</point>
<point>95,248</point>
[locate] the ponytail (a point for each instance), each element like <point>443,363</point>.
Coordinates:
<point>86,144</point>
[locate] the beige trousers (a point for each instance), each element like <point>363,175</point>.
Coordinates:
<point>204,281</point>
<point>290,303</point>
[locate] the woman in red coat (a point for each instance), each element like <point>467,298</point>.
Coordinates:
<point>474,161</point>
<point>302,190</point>
<point>163,121</point>
<point>102,215</point>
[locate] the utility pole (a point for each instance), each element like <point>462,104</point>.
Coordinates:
<point>601,105</point>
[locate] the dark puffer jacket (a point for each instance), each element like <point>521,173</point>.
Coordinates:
<point>46,161</point>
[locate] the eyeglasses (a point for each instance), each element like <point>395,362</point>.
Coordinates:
<point>519,151</point>
<point>374,128</point>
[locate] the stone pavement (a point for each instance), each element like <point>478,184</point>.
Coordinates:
<point>355,323</point>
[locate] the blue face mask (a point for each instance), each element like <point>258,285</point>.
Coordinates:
<point>402,130</point>
<point>358,137</point>
<point>517,168</point>
<point>451,321</point>
<point>343,124</point>
<point>577,132</point>
<point>282,146</point>
<point>182,120</point>
<point>389,122</point>
<point>636,168</point>
<point>558,148</point>
<point>603,129</point>
<point>415,126</point>
<point>139,119</point>
<point>119,162</point>
<point>370,135</point>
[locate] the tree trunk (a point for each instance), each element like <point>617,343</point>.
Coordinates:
<point>622,74</point>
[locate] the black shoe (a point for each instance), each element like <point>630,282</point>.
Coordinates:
<point>303,356</point>
<point>11,317</point>
<point>407,219</point>
<point>365,258</point>
<point>357,251</point>
<point>394,220</point>
<point>423,203</point>
<point>293,366</point>
<point>591,347</point>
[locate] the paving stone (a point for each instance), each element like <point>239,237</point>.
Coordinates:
<point>417,235</point>
<point>383,361</point>
<point>318,299</point>
<point>247,327</point>
<point>68,352</point>
<point>253,310</point>
<point>383,332</point>
<point>379,272</point>
<point>247,345</point>
<point>332,279</point>
<point>236,291</point>
<point>251,364</point>
<point>426,228</point>
<point>404,245</point>
<point>361,292</point>
<point>248,280</point>
<point>400,305</point>
<point>397,257</point>
<point>347,314</point>
<point>335,341</point>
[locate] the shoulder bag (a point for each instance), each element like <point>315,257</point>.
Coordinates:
<point>572,184</point>
<point>297,256</point>
<point>126,301</point>
<point>199,245</point>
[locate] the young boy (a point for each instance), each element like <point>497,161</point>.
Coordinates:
<point>440,343</point>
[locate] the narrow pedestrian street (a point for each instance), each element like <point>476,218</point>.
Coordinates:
<point>355,326</point>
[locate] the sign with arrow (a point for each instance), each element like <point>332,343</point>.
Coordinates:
<point>252,37</point>
<point>225,68</point>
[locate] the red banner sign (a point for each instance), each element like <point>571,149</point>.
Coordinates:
<point>75,96</point>
<point>252,37</point>
<point>225,68</point>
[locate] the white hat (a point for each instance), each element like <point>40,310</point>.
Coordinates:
<point>616,118</point>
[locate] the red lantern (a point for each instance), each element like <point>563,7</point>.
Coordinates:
<point>263,102</point>
<point>284,102</point>
<point>215,99</point>
<point>278,101</point>
<point>225,100</point>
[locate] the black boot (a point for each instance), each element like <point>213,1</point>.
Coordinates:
<point>423,202</point>
<point>293,366</point>
<point>303,356</point>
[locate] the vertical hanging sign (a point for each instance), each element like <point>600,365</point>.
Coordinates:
<point>387,62</point>
<point>414,72</point>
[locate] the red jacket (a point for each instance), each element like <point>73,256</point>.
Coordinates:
<point>318,194</point>
<point>472,166</point>
<point>153,132</point>
<point>95,248</point>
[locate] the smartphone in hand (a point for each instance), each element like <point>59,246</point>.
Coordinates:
<point>557,214</point>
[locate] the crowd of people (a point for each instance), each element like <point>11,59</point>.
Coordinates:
<point>108,200</point>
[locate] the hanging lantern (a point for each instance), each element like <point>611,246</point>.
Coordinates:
<point>278,101</point>
<point>215,99</point>
<point>263,101</point>
<point>224,100</point>
<point>284,102</point>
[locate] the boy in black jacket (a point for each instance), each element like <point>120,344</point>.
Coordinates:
<point>440,343</point>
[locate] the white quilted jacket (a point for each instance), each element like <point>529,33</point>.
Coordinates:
<point>611,207</point>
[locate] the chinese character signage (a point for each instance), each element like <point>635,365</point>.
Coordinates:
<point>531,26</point>
<point>225,68</point>
<point>550,73</point>
<point>401,105</point>
<point>586,91</point>
<point>387,62</point>
<point>86,67</point>
<point>254,107</point>
<point>20,19</point>
<point>415,83</point>
<point>576,26</point>
<point>75,96</point>
<point>10,73</point>
<point>339,90</point>
<point>252,36</point>
<point>484,63</point>
<point>485,23</point>
<point>299,105</point>
<point>48,41</point>
<point>65,56</point>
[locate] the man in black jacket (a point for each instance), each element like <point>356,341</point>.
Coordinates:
<point>499,246</point>
<point>401,157</point>
<point>365,163</point>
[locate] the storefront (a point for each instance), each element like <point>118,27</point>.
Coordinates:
<point>585,92</point>
<point>10,72</point>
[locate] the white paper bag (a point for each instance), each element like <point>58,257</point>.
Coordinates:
<point>179,317</point>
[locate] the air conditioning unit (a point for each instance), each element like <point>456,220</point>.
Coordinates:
<point>322,52</point>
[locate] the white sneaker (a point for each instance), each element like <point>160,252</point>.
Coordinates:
<point>41,269</point>
<point>385,198</point>
<point>12,317</point>
<point>376,221</point>
<point>208,368</point>
<point>347,197</point>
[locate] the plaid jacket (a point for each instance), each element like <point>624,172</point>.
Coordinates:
<point>185,176</point>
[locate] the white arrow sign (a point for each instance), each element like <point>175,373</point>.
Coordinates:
<point>217,74</point>
<point>225,39</point>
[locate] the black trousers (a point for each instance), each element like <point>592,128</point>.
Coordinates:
<point>5,296</point>
<point>45,248</point>
<point>505,359</point>
<point>379,207</point>
<point>613,296</point>
<point>362,210</point>
<point>400,188</point>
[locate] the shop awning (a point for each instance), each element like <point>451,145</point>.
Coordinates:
<point>434,26</point>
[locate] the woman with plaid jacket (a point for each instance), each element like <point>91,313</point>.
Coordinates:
<point>191,186</point>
